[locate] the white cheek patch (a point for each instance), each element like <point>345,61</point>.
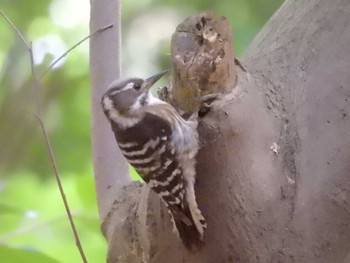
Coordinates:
<point>137,105</point>
<point>107,104</point>
<point>151,100</point>
<point>114,115</point>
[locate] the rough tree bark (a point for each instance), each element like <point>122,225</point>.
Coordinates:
<point>274,167</point>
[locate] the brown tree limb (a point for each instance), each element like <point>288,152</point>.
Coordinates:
<point>110,167</point>
<point>38,115</point>
<point>141,227</point>
<point>202,60</point>
<point>274,166</point>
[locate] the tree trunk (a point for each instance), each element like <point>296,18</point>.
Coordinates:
<point>273,172</point>
<point>110,168</point>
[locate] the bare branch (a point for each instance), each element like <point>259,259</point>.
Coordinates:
<point>60,186</point>
<point>38,116</point>
<point>12,25</point>
<point>100,30</point>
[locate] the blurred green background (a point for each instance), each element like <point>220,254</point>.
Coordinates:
<point>33,223</point>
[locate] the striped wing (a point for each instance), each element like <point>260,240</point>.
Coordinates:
<point>146,146</point>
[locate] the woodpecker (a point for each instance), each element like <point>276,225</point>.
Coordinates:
<point>161,146</point>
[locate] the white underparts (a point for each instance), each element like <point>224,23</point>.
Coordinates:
<point>151,100</point>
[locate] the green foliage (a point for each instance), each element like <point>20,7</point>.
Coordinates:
<point>16,255</point>
<point>134,175</point>
<point>33,222</point>
<point>35,217</point>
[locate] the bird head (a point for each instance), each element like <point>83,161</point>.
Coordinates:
<point>124,96</point>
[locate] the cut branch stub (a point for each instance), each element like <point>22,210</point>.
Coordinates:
<point>202,60</point>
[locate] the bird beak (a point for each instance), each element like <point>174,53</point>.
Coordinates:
<point>153,79</point>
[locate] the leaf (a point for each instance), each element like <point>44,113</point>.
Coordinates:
<point>16,255</point>
<point>6,209</point>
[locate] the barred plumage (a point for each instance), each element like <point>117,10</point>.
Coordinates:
<point>161,146</point>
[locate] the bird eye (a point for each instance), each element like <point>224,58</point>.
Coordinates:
<point>137,86</point>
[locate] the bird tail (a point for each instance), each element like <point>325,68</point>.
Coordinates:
<point>186,227</point>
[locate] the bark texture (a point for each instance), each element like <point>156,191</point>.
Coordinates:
<point>202,64</point>
<point>273,171</point>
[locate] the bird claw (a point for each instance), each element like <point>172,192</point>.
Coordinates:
<point>206,103</point>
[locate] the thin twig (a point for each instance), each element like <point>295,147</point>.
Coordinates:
<point>12,25</point>
<point>36,86</point>
<point>60,186</point>
<point>100,30</point>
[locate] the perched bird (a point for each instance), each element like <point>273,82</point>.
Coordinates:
<point>161,146</point>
